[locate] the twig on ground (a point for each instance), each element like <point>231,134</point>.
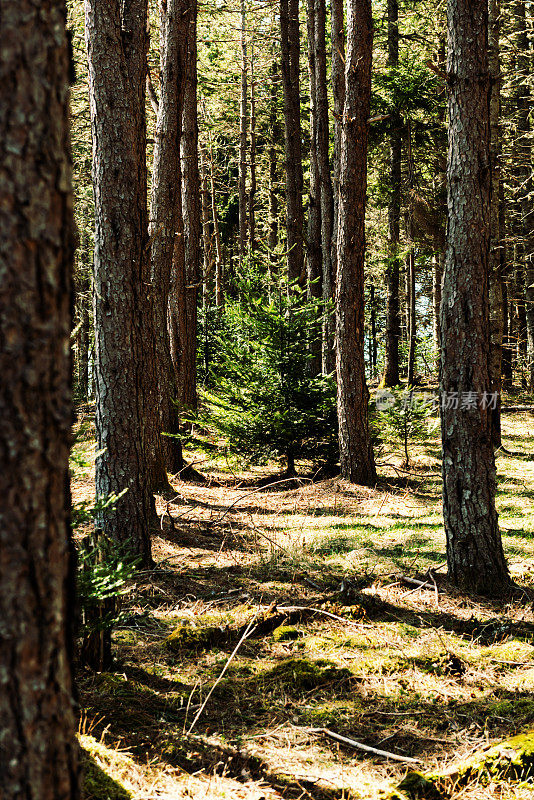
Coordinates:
<point>249,630</point>
<point>289,609</point>
<point>365,747</point>
<point>248,494</point>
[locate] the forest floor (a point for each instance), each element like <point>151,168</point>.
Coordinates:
<point>425,672</point>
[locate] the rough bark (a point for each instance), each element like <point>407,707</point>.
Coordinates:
<point>191,213</point>
<point>393,326</point>
<point>356,454</point>
<point>38,752</point>
<point>474,550</point>
<point>325,182</point>
<point>165,207</point>
<point>290,66</point>
<point>124,354</point>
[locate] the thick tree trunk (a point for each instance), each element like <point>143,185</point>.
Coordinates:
<point>38,753</point>
<point>191,216</point>
<point>124,347</point>
<point>496,238</point>
<point>393,326</point>
<point>356,454</point>
<point>165,208</point>
<point>243,142</point>
<point>524,171</point>
<point>474,550</point>
<point>314,252</point>
<point>290,48</point>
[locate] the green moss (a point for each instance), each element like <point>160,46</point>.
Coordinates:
<point>417,785</point>
<point>188,638</point>
<point>101,770</point>
<point>301,675</point>
<point>510,760</point>
<point>286,633</point>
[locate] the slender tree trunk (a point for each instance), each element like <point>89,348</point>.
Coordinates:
<point>243,141</point>
<point>165,209</point>
<point>524,171</point>
<point>393,327</point>
<point>219,288</point>
<point>314,252</point>
<point>191,213</point>
<point>356,454</point>
<point>373,350</point>
<point>84,293</point>
<point>124,352</point>
<point>412,320</point>
<point>325,181</point>
<point>38,753</point>
<point>338,92</point>
<point>496,238</point>
<point>290,48</point>
<point>253,182</point>
<point>474,550</point>
<point>437,278</point>
<point>274,138</point>
<point>177,321</point>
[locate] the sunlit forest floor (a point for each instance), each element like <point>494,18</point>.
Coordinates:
<point>421,672</point>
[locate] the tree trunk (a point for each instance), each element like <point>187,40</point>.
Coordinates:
<point>243,142</point>
<point>253,181</point>
<point>177,319</point>
<point>325,182</point>
<point>124,350</point>
<point>410,309</point>
<point>356,454</point>
<point>290,49</point>
<point>496,239</point>
<point>38,754</point>
<point>474,550</point>
<point>191,216</point>
<point>437,278</point>
<point>393,326</point>
<point>274,138</point>
<point>338,92</point>
<point>84,293</point>
<point>165,208</point>
<point>315,269</point>
<point>373,346</point>
<point>524,172</point>
<point>219,288</point>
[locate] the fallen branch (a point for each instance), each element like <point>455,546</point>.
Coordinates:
<point>365,747</point>
<point>248,632</point>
